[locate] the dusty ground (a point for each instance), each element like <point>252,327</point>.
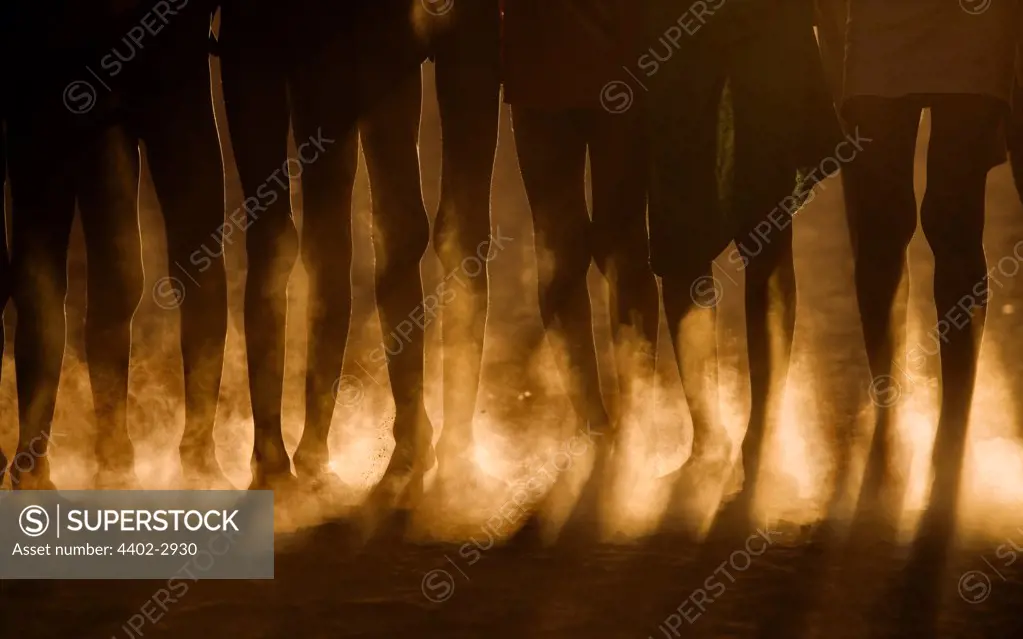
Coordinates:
<point>794,588</point>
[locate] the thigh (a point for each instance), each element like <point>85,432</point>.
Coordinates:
<point>551,148</point>
<point>390,48</point>
<point>255,83</point>
<point>764,167</point>
<point>324,96</point>
<point>183,150</point>
<point>878,183</point>
<point>618,168</point>
<point>1014,125</point>
<point>107,181</point>
<point>468,69</point>
<point>325,117</point>
<point>390,141</point>
<point>964,129</point>
<point>5,272</point>
<point>686,218</point>
<point>42,198</point>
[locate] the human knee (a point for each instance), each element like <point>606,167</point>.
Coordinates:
<point>327,259</point>
<point>116,295</point>
<point>886,244</point>
<point>466,187</point>
<point>950,233</point>
<point>38,285</point>
<point>203,256</point>
<point>564,265</point>
<point>963,255</point>
<point>460,233</point>
<point>625,263</point>
<point>200,230</point>
<point>271,245</point>
<point>210,291</point>
<point>772,258</point>
<point>5,281</point>
<point>680,266</point>
<point>956,243</point>
<point>882,212</point>
<point>401,243</point>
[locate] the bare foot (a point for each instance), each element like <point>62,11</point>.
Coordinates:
<point>204,473</point>
<point>458,475</point>
<point>585,524</point>
<point>398,492</point>
<point>314,472</point>
<point>530,535</point>
<point>116,480</point>
<point>276,480</point>
<point>37,477</point>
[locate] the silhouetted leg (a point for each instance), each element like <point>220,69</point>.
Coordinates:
<point>952,215</point>
<point>185,161</point>
<point>763,204</point>
<point>619,244</point>
<point>327,147</point>
<point>5,264</point>
<point>843,433</point>
<point>468,91</point>
<point>619,168</point>
<point>43,208</point>
<point>108,201</point>
<point>622,251</point>
<point>1014,137</point>
<point>255,97</point>
<point>687,233</point>
<point>882,208</point>
<point>964,129</point>
<point>552,148</point>
<point>552,157</point>
<point>401,233</point>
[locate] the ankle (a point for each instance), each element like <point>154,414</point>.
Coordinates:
<point>311,461</point>
<point>270,456</point>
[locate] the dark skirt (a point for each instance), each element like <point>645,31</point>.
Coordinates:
<point>752,66</point>
<point>774,41</point>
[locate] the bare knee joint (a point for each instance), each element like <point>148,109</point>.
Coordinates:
<point>272,246</point>
<point>400,247</point>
